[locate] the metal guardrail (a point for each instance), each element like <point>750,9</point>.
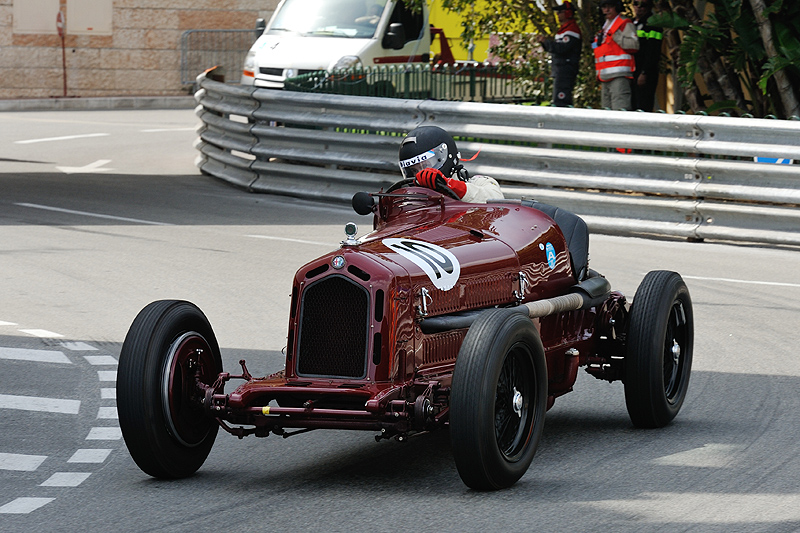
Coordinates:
<point>466,82</point>
<point>204,49</point>
<point>688,176</point>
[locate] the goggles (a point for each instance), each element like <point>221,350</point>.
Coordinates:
<point>433,158</point>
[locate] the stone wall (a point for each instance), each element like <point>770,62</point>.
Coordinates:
<point>140,58</point>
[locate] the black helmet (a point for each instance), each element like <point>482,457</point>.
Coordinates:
<point>428,146</point>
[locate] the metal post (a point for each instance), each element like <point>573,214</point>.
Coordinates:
<point>60,23</point>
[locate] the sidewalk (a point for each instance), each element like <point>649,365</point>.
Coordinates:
<point>103,103</point>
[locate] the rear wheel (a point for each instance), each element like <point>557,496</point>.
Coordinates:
<point>169,346</point>
<point>660,341</point>
<point>498,400</point>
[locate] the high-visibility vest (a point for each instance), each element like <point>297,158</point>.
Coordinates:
<point>610,59</point>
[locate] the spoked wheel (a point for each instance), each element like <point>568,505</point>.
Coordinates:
<point>498,400</point>
<point>169,347</point>
<point>660,341</point>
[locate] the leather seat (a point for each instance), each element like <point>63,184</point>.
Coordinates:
<point>575,231</point>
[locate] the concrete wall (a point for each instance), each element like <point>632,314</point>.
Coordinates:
<point>141,56</point>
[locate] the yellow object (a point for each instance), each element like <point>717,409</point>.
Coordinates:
<point>265,409</point>
<point>450,22</point>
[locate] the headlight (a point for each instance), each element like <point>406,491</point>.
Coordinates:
<point>347,62</point>
<point>249,66</point>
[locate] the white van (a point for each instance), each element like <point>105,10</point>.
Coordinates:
<point>310,35</point>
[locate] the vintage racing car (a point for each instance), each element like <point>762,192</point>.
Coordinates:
<point>472,317</point>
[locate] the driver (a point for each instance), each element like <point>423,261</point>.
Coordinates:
<point>429,152</point>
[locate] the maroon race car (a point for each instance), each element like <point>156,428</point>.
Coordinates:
<point>472,317</point>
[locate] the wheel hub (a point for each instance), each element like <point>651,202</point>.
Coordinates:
<point>676,351</point>
<point>517,402</point>
<point>188,355</point>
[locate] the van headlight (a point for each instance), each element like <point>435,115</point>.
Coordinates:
<point>346,62</point>
<point>250,62</point>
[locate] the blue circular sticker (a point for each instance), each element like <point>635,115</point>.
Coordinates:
<point>551,255</point>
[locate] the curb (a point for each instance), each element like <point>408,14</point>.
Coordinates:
<point>103,103</point>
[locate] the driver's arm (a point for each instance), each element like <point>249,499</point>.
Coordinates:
<point>477,189</point>
<point>481,189</point>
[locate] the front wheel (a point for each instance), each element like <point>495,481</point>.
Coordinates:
<point>498,400</point>
<point>168,348</point>
<point>660,341</point>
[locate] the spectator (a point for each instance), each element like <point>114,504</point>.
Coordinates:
<point>565,52</point>
<point>613,56</point>
<point>645,77</point>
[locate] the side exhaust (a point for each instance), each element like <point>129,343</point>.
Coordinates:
<point>587,294</point>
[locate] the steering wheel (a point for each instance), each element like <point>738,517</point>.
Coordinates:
<point>400,184</point>
<point>441,186</point>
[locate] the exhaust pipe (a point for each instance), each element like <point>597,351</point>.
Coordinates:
<point>587,294</point>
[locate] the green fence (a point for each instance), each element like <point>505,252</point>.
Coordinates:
<point>467,82</point>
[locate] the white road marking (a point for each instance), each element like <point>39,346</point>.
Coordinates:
<point>748,282</point>
<point>39,356</point>
<point>95,215</point>
<point>66,479</point>
<point>42,333</point>
<point>20,462</point>
<point>24,505</point>
<point>91,168</point>
<point>2,323</point>
<point>286,239</point>
<point>78,346</point>
<point>707,456</point>
<point>99,360</point>
<point>89,455</point>
<point>64,138</point>
<point>34,403</point>
<point>104,434</point>
<point>107,375</point>
<point>108,394</point>
<point>159,130</point>
<point>696,509</point>
<point>107,413</point>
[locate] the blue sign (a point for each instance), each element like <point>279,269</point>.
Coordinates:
<point>551,255</point>
<point>776,160</point>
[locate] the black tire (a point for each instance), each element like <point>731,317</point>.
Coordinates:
<point>165,428</point>
<point>498,400</point>
<point>658,359</point>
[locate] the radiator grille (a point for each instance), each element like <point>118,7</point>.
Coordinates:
<point>334,326</point>
<point>441,347</point>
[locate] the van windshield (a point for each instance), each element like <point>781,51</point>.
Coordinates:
<point>329,18</point>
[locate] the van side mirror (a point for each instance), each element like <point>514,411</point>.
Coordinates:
<point>395,37</point>
<point>261,25</point>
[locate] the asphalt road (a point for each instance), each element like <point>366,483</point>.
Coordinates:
<point>82,251</point>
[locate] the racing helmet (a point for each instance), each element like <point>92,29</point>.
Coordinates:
<point>428,147</point>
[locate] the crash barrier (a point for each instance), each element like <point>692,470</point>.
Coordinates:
<point>466,82</point>
<point>204,49</point>
<point>625,173</point>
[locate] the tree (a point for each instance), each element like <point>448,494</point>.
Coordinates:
<point>514,24</point>
<point>746,53</point>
